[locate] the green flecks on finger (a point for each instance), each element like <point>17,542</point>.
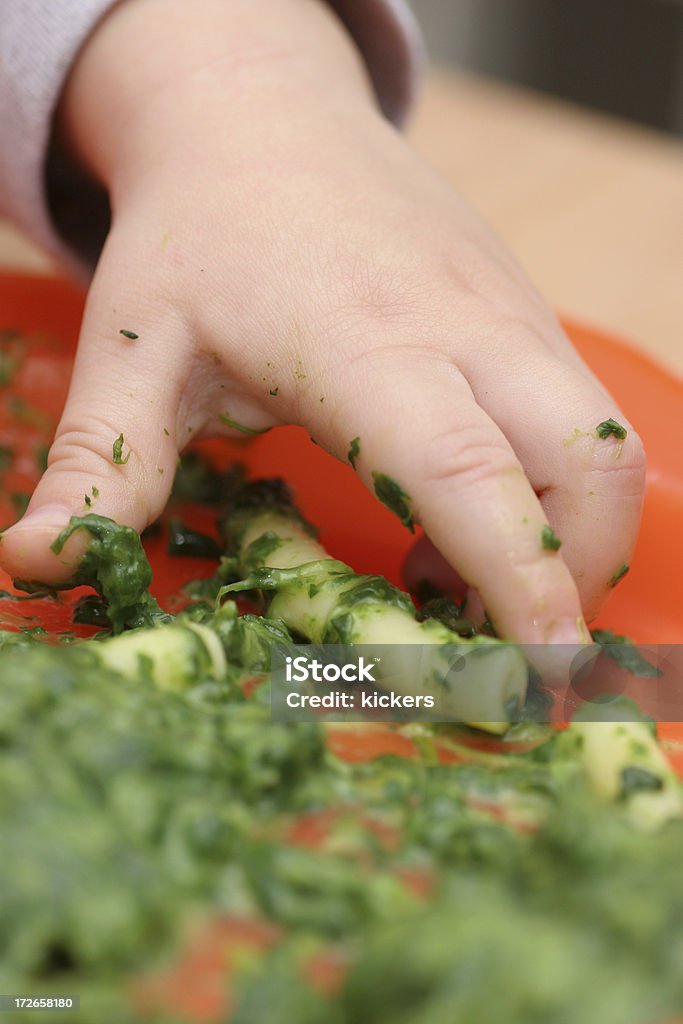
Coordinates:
<point>274,392</point>
<point>354,451</point>
<point>391,494</point>
<point>117,452</point>
<point>131,335</point>
<point>167,432</point>
<point>230,422</point>
<point>619,574</point>
<point>549,539</point>
<point>611,427</point>
<point>88,500</point>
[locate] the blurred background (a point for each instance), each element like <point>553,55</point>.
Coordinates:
<point>623,57</point>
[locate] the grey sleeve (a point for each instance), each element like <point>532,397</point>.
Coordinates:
<point>39,39</point>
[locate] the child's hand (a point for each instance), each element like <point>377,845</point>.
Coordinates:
<point>284,257</point>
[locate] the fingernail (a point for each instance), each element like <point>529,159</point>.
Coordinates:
<point>569,631</point>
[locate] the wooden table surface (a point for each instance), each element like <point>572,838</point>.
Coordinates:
<point>592,206</point>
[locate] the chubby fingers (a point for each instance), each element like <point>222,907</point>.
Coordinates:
<point>116,445</point>
<point>431,453</point>
<point>144,384</point>
<point>580,453</point>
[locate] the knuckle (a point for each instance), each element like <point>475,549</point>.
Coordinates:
<point>86,457</point>
<point>377,300</point>
<point>472,454</point>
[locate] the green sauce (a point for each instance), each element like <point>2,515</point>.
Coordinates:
<point>132,813</point>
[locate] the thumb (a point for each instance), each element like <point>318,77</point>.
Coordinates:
<point>115,448</point>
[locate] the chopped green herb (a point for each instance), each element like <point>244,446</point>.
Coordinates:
<point>184,541</point>
<point>391,494</point>
<point>619,574</point>
<point>354,451</point>
<point>549,540</point>
<point>129,334</point>
<point>449,612</point>
<point>610,426</point>
<point>274,392</point>
<point>117,452</point>
<point>91,610</point>
<point>167,432</point>
<point>625,653</point>
<point>229,422</point>
<point>116,566</point>
<point>635,779</point>
<point>259,550</point>
<point>88,500</point>
<point>95,491</point>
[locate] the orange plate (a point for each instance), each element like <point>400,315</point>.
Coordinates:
<point>646,606</point>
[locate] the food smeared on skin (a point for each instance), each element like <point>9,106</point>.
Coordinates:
<point>576,433</point>
<point>354,451</point>
<point>117,452</point>
<point>611,428</point>
<point>131,335</point>
<point>392,495</point>
<point>619,574</point>
<point>225,418</point>
<point>115,565</point>
<point>549,539</point>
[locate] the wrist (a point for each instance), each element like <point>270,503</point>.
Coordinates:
<point>157,71</point>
